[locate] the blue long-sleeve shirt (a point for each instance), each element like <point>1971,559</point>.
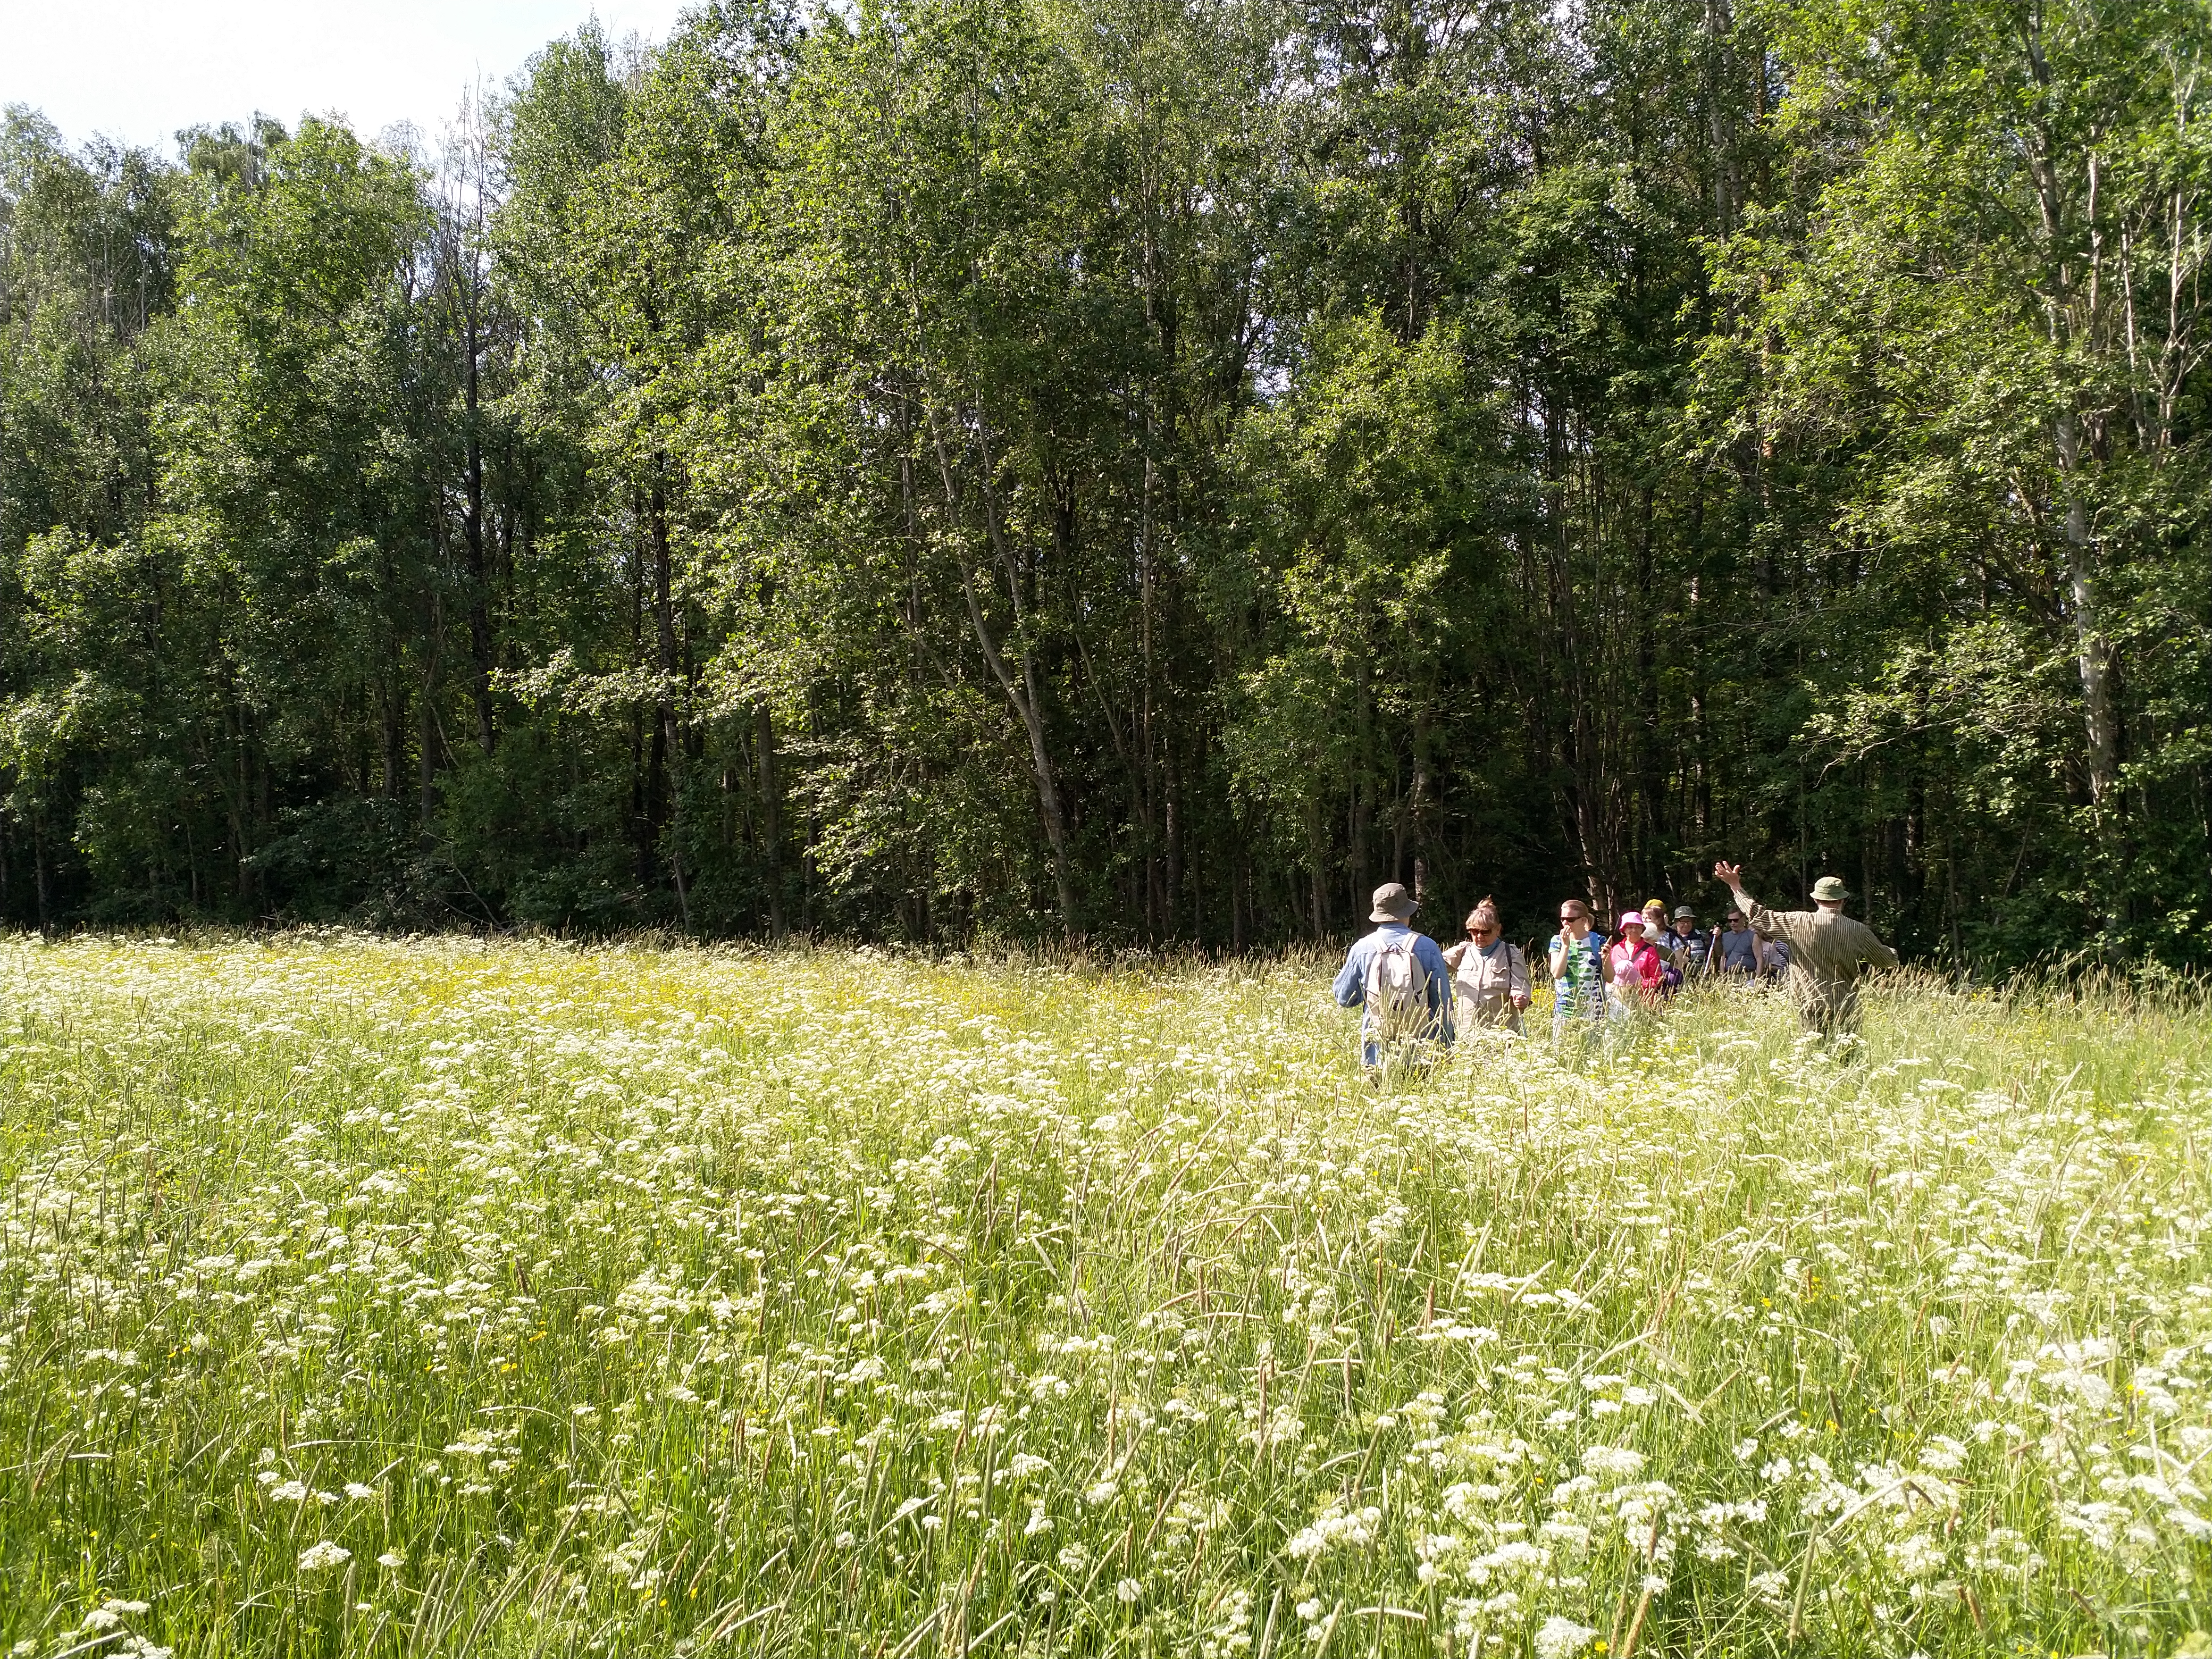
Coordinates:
<point>1350,986</point>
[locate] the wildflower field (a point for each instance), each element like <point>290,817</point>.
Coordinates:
<point>380,1297</point>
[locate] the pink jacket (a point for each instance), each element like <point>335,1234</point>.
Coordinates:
<point>1634,964</point>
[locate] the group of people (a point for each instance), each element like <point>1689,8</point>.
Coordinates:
<point>1410,990</point>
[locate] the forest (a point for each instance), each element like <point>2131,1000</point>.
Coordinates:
<point>1138,472</point>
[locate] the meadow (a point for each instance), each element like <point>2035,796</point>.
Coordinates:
<point>452,1297</point>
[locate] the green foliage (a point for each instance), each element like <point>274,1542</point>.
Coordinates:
<point>1140,470</point>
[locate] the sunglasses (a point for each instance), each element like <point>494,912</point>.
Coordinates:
<point>1479,932</point>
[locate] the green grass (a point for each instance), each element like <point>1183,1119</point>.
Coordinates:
<point>450,1298</point>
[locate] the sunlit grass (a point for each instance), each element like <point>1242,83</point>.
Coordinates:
<point>478,1298</point>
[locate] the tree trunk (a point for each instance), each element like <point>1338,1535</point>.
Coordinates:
<point>771,790</point>
<point>1018,680</point>
<point>1317,859</point>
<point>1717,25</point>
<point>473,526</point>
<point>668,748</point>
<point>426,762</point>
<point>2092,651</point>
<point>38,861</point>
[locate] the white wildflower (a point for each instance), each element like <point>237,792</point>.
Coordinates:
<point>1620,1462</point>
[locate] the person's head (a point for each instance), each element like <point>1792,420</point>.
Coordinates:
<point>1392,904</point>
<point>1574,917</point>
<point>1686,921</point>
<point>1735,921</point>
<point>1655,916</point>
<point>1829,892</point>
<point>1483,925</point>
<point>1633,926</point>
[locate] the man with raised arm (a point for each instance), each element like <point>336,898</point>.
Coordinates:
<point>1828,950</point>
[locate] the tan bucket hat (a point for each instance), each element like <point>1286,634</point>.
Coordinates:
<point>1392,902</point>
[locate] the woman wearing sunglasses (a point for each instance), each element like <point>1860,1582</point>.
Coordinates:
<point>1490,976</point>
<point>1580,972</point>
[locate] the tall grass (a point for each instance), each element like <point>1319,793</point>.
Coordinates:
<point>454,1298</point>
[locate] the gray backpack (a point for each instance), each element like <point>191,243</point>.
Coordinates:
<point>1398,990</point>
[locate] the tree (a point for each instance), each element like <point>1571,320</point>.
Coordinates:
<point>1135,470</point>
<point>2006,355</point>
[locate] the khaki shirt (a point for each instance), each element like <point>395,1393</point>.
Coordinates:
<point>1828,950</point>
<point>1485,986</point>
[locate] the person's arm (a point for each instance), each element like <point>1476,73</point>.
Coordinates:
<point>1455,954</point>
<point>1605,963</point>
<point>1877,953</point>
<point>1760,919</point>
<point>1517,977</point>
<point>1350,986</point>
<point>1557,955</point>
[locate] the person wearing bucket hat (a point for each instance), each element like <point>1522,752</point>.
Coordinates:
<point>1828,950</point>
<point>1693,948</point>
<point>1398,981</point>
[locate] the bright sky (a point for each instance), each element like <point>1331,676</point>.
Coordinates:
<point>140,69</point>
